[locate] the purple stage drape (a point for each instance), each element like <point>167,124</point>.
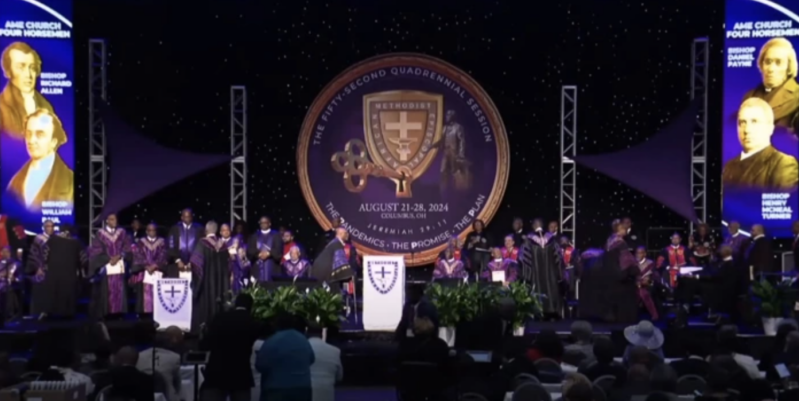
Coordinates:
<point>139,167</point>
<point>660,167</point>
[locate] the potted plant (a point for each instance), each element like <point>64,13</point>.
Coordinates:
<point>261,302</point>
<point>528,305</point>
<point>772,301</point>
<point>447,303</point>
<point>324,307</point>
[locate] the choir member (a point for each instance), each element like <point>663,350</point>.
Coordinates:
<point>542,266</point>
<point>149,263</point>
<point>553,228</point>
<point>795,246</point>
<point>337,261</point>
<point>672,258</point>
<point>210,279</point>
<point>238,262</point>
<point>569,257</point>
<point>702,245</point>
<point>265,250</point>
<point>759,256</point>
<point>109,257</point>
<point>518,231</point>
<point>137,232</point>
<point>457,249</point>
<point>181,241</point>
<point>497,264</point>
<point>288,243</point>
<point>478,246</point>
<point>12,234</point>
<point>10,286</point>
<point>295,266</point>
<point>510,251</point>
<point>630,236</point>
<point>448,266</point>
<point>647,279</point>
<point>736,239</point>
<point>622,290</point>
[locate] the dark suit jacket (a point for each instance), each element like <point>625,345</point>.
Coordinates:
<point>425,309</point>
<point>430,349</point>
<point>230,339</point>
<point>59,185</point>
<point>767,169</point>
<point>759,255</point>
<point>690,366</point>
<point>127,382</point>
<point>795,250</point>
<point>596,370</point>
<point>784,101</point>
<point>13,113</point>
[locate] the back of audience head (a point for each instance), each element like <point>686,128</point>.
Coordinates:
<point>792,342</point>
<point>127,356</point>
<point>727,339</point>
<point>718,378</point>
<point>604,350</point>
<point>423,327</point>
<point>638,373</point>
<point>640,355</point>
<point>692,347</point>
<point>549,345</point>
<point>244,301</point>
<point>582,331</point>
<point>572,379</point>
<point>579,392</point>
<point>172,338</point>
<point>663,378</point>
<point>285,321</point>
<point>658,396</point>
<point>315,330</point>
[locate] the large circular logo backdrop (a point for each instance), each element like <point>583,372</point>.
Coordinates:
<point>407,150</point>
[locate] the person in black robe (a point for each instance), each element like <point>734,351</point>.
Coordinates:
<point>478,249</point>
<point>328,236</point>
<point>726,276</point>
<point>759,257</point>
<point>82,284</point>
<point>608,290</point>
<point>109,247</point>
<point>631,236</point>
<point>181,241</point>
<point>265,250</point>
<point>338,260</point>
<point>518,231</point>
<point>53,265</point>
<point>210,280</point>
<point>541,262</point>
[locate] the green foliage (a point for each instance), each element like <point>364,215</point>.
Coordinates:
<point>447,302</point>
<point>322,306</point>
<point>773,301</point>
<point>528,303</point>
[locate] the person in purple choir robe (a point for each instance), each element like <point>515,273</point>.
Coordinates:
<point>149,259</point>
<point>497,263</point>
<point>53,267</point>
<point>448,266</point>
<point>109,259</point>
<point>239,265</point>
<point>265,250</point>
<point>181,241</point>
<point>648,278</point>
<point>736,240</point>
<point>10,286</point>
<point>296,265</point>
<point>210,264</point>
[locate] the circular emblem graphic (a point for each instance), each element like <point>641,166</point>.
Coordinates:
<point>172,294</point>
<point>406,151</point>
<point>381,279</point>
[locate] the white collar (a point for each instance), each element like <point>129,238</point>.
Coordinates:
<point>675,246</point>
<point>187,226</point>
<point>210,235</point>
<point>451,260</point>
<point>628,230</point>
<point>44,164</point>
<point>341,240</point>
<point>151,239</point>
<point>498,260</point>
<point>640,262</point>
<point>745,155</point>
<point>110,230</point>
<point>736,234</point>
<point>728,258</point>
<point>267,231</point>
<point>756,237</point>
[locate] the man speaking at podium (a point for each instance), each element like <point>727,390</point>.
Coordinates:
<point>338,260</point>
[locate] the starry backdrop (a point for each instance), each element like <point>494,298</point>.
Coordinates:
<point>170,70</point>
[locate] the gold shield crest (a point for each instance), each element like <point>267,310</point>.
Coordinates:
<point>403,129</point>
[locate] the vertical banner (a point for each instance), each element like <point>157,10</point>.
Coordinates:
<point>761,114</point>
<point>37,111</point>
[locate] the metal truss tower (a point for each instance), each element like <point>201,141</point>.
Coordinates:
<point>97,149</point>
<point>700,63</point>
<point>238,153</point>
<point>568,150</point>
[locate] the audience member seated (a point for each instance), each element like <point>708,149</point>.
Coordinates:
<point>326,370</point>
<point>759,390</point>
<point>284,362</point>
<point>640,355</point>
<point>663,379</point>
<point>229,341</point>
<point>126,380</point>
<point>785,327</point>
<point>738,378</point>
<point>572,379</point>
<point>425,345</point>
<point>637,384</point>
<point>514,363</point>
<point>788,357</point>
<point>644,334</point>
<point>727,343</point>
<point>693,361</point>
<point>583,335</point>
<point>63,359</point>
<point>547,344</point>
<point>415,306</point>
<point>7,376</point>
<point>604,364</point>
<point>579,392</point>
<point>167,353</point>
<point>719,384</point>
